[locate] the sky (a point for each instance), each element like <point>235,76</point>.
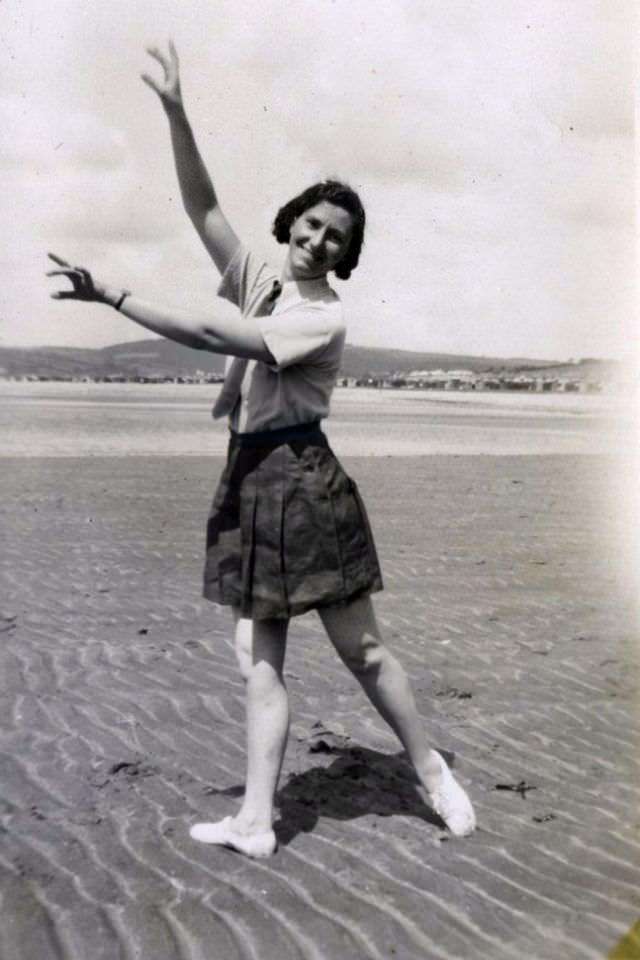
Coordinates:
<point>491,142</point>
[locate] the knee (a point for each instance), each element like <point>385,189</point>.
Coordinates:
<point>260,649</point>
<point>367,658</point>
<point>264,682</point>
<point>243,647</point>
<point>260,677</point>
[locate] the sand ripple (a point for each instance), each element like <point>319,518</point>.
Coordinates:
<point>510,604</point>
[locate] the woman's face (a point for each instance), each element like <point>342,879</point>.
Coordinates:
<point>319,240</point>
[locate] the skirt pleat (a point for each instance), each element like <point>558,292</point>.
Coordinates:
<point>288,531</point>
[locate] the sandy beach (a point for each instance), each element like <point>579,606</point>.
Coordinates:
<point>511,605</point>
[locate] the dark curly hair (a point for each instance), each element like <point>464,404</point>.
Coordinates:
<point>341,195</point>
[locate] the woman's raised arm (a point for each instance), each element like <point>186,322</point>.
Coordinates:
<point>198,195</point>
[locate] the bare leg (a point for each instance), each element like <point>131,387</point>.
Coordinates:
<point>260,649</point>
<point>355,634</point>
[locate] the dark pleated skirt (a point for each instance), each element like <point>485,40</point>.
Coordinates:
<point>287,531</point>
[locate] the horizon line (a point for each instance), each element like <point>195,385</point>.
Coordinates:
<point>362,346</point>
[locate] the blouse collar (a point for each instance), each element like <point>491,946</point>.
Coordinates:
<point>293,291</point>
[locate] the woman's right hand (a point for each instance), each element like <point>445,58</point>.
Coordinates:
<point>169,88</point>
<point>84,286</point>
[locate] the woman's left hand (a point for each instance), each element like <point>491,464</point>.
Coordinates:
<point>84,286</point>
<point>168,89</point>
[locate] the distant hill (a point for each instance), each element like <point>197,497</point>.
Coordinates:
<point>357,361</point>
<point>142,358</point>
<point>165,359</point>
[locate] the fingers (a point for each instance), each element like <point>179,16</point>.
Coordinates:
<point>160,57</point>
<point>150,82</point>
<point>74,273</point>
<point>79,277</point>
<point>58,260</point>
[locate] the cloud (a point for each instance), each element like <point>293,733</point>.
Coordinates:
<point>35,136</point>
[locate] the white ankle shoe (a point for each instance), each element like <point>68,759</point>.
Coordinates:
<point>451,803</point>
<point>222,834</point>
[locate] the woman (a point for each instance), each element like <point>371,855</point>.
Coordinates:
<point>287,530</point>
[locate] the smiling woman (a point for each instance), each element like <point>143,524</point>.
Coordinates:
<point>313,209</point>
<point>319,242</point>
<point>287,531</point>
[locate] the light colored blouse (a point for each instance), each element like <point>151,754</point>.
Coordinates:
<point>304,333</point>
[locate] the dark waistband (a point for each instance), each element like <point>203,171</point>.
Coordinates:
<point>273,438</point>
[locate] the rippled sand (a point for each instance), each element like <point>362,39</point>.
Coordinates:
<point>509,597</point>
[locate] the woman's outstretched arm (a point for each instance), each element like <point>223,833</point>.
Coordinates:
<point>240,338</point>
<point>235,337</point>
<point>198,194</point>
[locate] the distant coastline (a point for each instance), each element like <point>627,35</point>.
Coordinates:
<point>161,361</point>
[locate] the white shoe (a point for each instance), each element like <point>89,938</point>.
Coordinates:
<point>222,834</point>
<point>451,803</point>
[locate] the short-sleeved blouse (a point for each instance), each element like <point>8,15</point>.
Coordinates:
<point>304,333</point>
